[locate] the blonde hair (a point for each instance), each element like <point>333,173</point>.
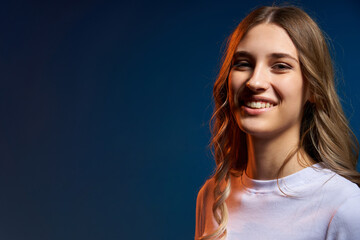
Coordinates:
<point>325,134</point>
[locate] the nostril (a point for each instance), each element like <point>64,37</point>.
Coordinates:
<point>257,85</point>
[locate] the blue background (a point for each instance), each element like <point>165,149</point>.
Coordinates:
<point>105,108</point>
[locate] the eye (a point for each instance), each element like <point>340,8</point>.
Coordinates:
<point>241,65</point>
<point>281,67</point>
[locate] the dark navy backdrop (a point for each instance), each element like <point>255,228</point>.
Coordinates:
<point>105,109</point>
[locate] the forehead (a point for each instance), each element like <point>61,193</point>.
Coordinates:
<point>265,39</point>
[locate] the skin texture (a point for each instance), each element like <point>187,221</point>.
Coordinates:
<point>266,68</point>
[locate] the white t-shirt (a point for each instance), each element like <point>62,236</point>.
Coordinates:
<point>322,205</point>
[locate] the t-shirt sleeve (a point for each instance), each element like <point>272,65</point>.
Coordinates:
<point>345,224</point>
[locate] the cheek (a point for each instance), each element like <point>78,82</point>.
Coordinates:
<point>236,80</point>
<point>294,96</point>
<point>233,88</point>
<point>291,88</point>
<point>236,83</point>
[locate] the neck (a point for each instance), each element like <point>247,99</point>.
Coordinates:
<point>266,156</point>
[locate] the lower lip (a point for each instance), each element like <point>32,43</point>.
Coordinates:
<point>255,111</point>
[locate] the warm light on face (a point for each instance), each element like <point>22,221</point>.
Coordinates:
<point>266,83</point>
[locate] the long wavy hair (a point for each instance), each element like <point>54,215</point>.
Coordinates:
<point>325,134</point>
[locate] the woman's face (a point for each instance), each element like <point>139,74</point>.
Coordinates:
<point>267,91</point>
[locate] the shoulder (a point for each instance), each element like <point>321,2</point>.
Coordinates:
<point>342,198</point>
<point>334,185</point>
<point>346,220</point>
<point>207,189</point>
<point>344,185</point>
<point>349,209</point>
<point>203,206</point>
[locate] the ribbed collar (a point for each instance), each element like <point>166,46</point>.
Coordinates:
<point>299,178</point>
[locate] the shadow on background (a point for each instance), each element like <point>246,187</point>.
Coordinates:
<point>105,108</point>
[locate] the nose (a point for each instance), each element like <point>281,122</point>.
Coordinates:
<point>259,79</point>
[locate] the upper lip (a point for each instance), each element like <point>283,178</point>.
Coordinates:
<point>258,99</point>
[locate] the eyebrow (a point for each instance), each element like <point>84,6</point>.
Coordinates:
<point>242,54</point>
<point>272,55</point>
<point>283,55</point>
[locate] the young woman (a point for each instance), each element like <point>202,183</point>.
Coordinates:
<point>286,157</point>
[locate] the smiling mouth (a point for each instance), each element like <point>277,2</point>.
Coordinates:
<point>258,104</point>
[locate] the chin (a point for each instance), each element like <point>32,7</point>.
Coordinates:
<point>261,133</point>
<point>259,128</point>
<point>255,126</point>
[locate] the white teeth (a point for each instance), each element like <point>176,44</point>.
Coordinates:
<point>259,105</point>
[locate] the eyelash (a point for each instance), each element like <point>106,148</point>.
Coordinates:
<point>282,66</point>
<point>277,66</point>
<point>241,64</point>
